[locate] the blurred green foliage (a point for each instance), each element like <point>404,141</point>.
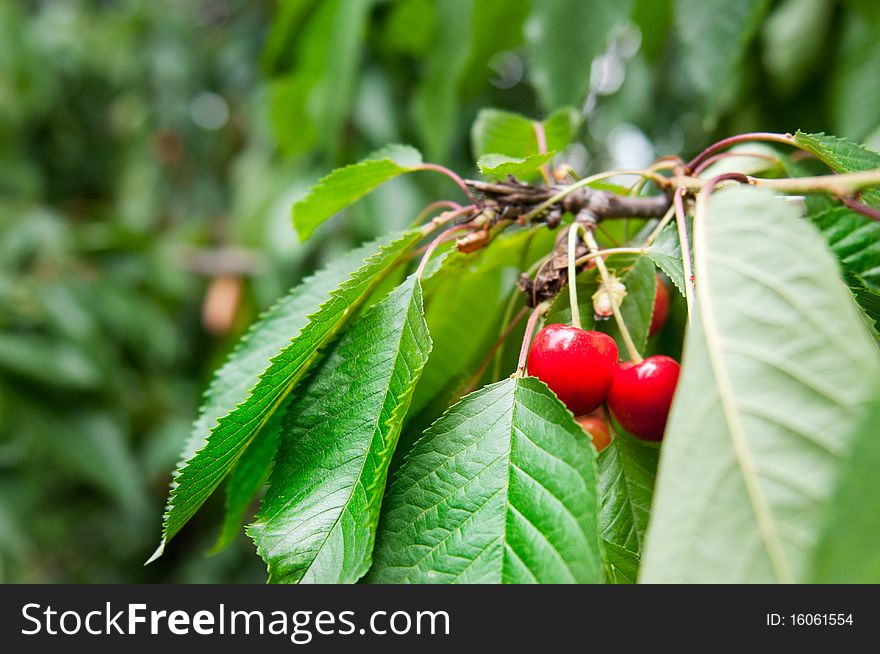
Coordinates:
<point>150,151</point>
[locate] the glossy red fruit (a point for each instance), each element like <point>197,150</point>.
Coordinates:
<point>597,429</point>
<point>577,365</point>
<point>661,307</point>
<point>642,394</point>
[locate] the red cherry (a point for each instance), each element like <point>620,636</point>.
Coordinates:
<point>577,365</point>
<point>661,307</point>
<point>642,394</point>
<point>597,430</point>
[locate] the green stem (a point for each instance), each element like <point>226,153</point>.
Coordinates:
<point>537,313</point>
<point>667,217</point>
<point>685,246</point>
<point>633,352</point>
<point>607,253</point>
<point>572,273</point>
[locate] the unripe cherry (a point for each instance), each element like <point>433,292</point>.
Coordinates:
<point>642,394</point>
<point>597,430</point>
<point>661,307</point>
<point>577,365</point>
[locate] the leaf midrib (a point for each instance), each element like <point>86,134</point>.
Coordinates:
<point>358,481</point>
<point>729,406</point>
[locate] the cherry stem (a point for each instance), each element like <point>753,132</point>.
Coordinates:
<point>727,155</point>
<point>723,144</point>
<point>505,334</point>
<point>447,216</point>
<point>634,355</point>
<point>607,253</point>
<point>441,238</point>
<point>572,273</point>
<point>684,244</point>
<point>537,313</point>
<point>667,217</point>
<point>451,175</point>
<point>541,137</point>
<point>431,208</point>
<point>863,209</point>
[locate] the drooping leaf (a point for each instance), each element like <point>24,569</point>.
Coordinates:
<point>847,552</point>
<point>665,252</point>
<point>777,365</point>
<point>318,519</point>
<point>563,39</point>
<point>626,484</point>
<point>500,165</point>
<point>262,371</point>
<point>793,40</point>
<point>502,488</point>
<point>843,156</point>
<point>247,478</point>
<point>310,102</point>
<point>344,186</point>
<point>436,103</point>
<point>715,35</point>
<point>854,95</point>
<point>502,132</point>
<point>854,239</point>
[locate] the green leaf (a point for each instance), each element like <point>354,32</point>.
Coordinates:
<point>499,165</point>
<point>854,96</point>
<point>502,132</point>
<point>843,156</point>
<point>310,103</point>
<point>436,104</point>
<point>502,488</point>
<point>665,252</point>
<point>777,365</point>
<point>247,479</point>
<point>266,366</point>
<point>715,35</point>
<point>793,40</point>
<point>49,361</point>
<point>318,520</point>
<point>344,186</point>
<point>854,239</point>
<point>491,48</point>
<point>626,484</point>
<point>563,39</point>
<point>847,551</point>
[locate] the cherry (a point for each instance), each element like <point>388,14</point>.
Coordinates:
<point>661,307</point>
<point>577,365</point>
<point>597,430</point>
<point>642,394</point>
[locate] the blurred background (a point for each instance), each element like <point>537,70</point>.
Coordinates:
<point>150,151</point>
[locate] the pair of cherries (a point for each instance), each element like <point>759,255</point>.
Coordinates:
<point>581,368</point>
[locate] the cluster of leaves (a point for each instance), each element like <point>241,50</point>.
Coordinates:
<point>677,70</point>
<point>327,398</point>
